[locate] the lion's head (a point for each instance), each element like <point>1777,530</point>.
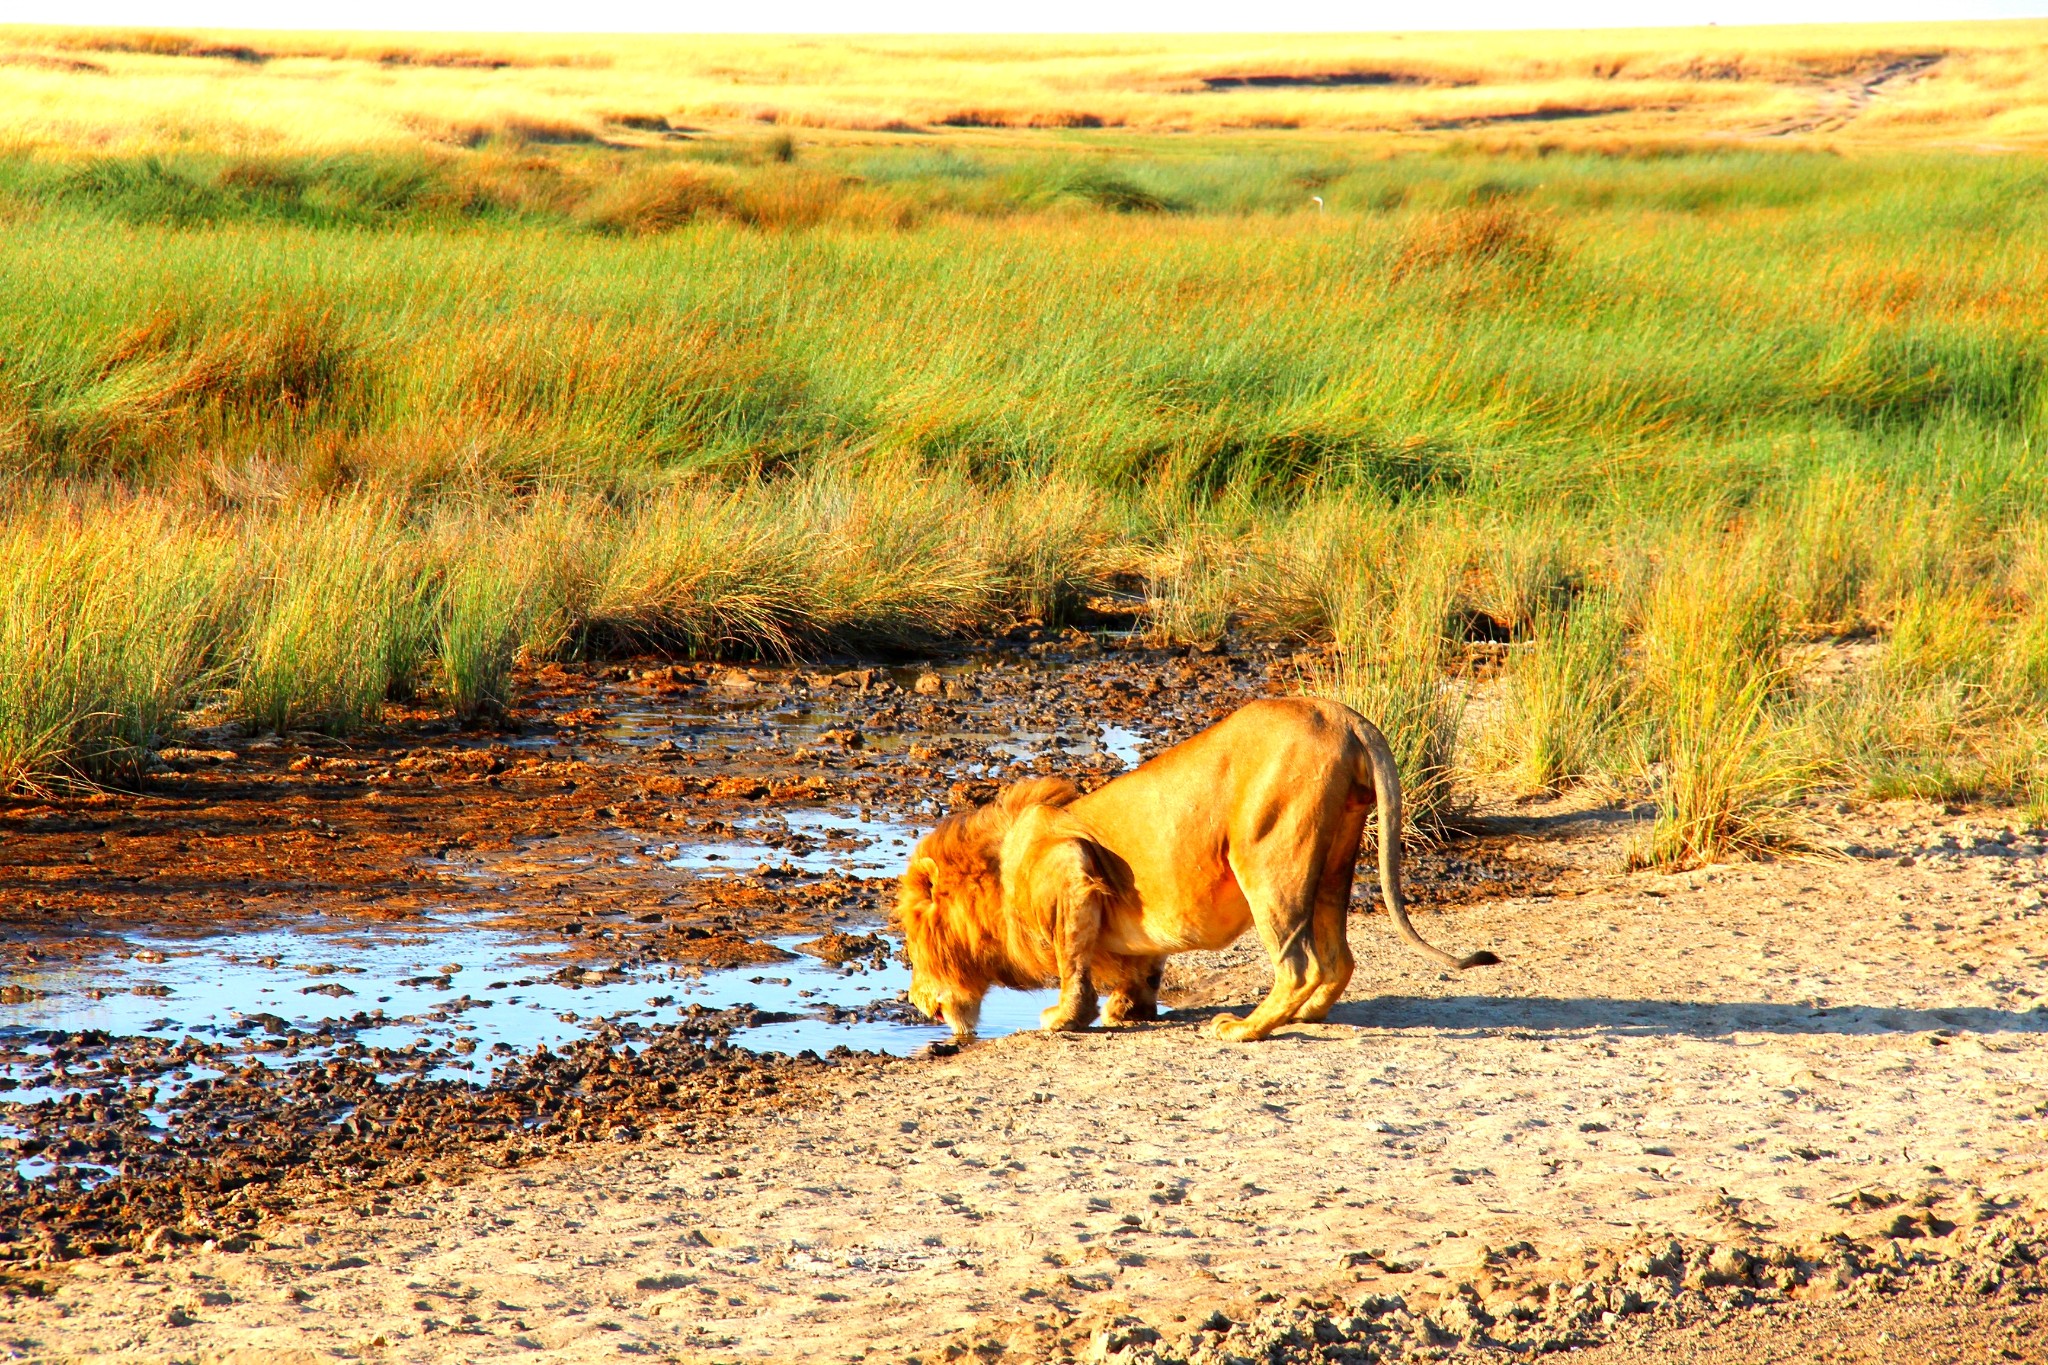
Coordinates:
<point>949,905</point>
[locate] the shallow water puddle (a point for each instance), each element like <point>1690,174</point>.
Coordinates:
<point>452,997</point>
<point>450,1001</point>
<point>1122,744</point>
<point>400,990</point>
<point>776,718</point>
<point>479,993</point>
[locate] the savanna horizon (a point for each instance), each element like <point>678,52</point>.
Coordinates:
<point>291,428</point>
<point>1969,85</point>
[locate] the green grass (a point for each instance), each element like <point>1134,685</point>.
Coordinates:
<point>1405,351</point>
<point>341,619</point>
<point>375,425</point>
<point>485,610</point>
<point>1713,685</point>
<point>1392,642</point>
<point>107,625</point>
<point>1571,694</point>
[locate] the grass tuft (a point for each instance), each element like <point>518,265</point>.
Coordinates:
<point>1501,234</point>
<point>1570,694</point>
<point>107,631</point>
<point>341,622</point>
<point>1727,765</point>
<point>657,200</point>
<point>484,615</point>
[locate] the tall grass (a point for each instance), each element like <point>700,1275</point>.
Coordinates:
<point>774,569</point>
<point>106,634</point>
<point>1693,352</point>
<point>1049,544</point>
<point>1570,694</point>
<point>389,422</point>
<point>1831,532</point>
<point>1392,641</point>
<point>1712,678</point>
<point>341,622</point>
<point>485,609</point>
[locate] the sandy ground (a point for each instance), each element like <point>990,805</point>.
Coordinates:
<point>1737,1053</point>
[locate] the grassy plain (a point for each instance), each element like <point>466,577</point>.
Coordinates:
<point>334,369</point>
<point>1872,84</point>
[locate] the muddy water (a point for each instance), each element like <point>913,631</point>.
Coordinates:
<point>469,997</point>
<point>468,992</point>
<point>809,841</point>
<point>483,991</point>
<point>636,853</point>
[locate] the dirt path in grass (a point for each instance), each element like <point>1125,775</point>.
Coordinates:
<point>1820,1084</point>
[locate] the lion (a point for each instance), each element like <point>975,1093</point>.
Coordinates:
<point>1255,821</point>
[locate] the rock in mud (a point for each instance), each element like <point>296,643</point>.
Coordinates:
<point>839,948</point>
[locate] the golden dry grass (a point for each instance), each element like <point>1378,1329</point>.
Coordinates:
<point>746,345</point>
<point>1971,84</point>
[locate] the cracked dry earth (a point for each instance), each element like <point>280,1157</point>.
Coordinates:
<point>1834,1067</point>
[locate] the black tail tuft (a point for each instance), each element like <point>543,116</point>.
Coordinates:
<point>1482,958</point>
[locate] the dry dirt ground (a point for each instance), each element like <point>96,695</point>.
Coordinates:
<point>1818,1082</point>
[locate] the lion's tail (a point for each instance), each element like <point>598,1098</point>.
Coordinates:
<point>1386,785</point>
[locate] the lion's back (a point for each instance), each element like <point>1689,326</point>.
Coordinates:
<point>1312,739</point>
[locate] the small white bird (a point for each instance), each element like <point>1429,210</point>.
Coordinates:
<point>1319,202</point>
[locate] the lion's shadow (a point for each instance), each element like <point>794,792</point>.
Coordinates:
<point>1475,1015</point>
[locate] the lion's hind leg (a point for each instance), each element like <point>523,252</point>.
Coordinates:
<point>1077,1006</point>
<point>1332,946</point>
<point>1310,970</point>
<point>1295,982</point>
<point>1333,960</point>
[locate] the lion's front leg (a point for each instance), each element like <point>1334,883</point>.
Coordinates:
<point>1054,893</point>
<point>1076,926</point>
<point>1077,1005</point>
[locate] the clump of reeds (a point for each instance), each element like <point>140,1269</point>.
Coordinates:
<point>790,198</point>
<point>108,621</point>
<point>485,608</point>
<point>1302,571</point>
<point>772,567</point>
<point>178,376</point>
<point>1194,589</point>
<point>1528,572</point>
<point>1047,544</point>
<point>2022,667</point>
<point>1726,767</point>
<point>1498,233</point>
<point>1830,552</point>
<point>1570,693</point>
<point>657,200</point>
<point>1951,707</point>
<point>341,619</point>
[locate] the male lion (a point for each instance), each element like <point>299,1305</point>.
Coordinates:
<point>1256,820</point>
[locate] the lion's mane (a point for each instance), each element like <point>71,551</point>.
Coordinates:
<point>965,945</point>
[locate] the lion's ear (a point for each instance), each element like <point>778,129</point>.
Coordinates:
<point>914,893</point>
<point>921,873</point>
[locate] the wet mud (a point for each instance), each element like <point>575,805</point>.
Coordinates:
<point>290,967</point>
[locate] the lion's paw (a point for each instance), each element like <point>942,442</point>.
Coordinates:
<point>1230,1028</point>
